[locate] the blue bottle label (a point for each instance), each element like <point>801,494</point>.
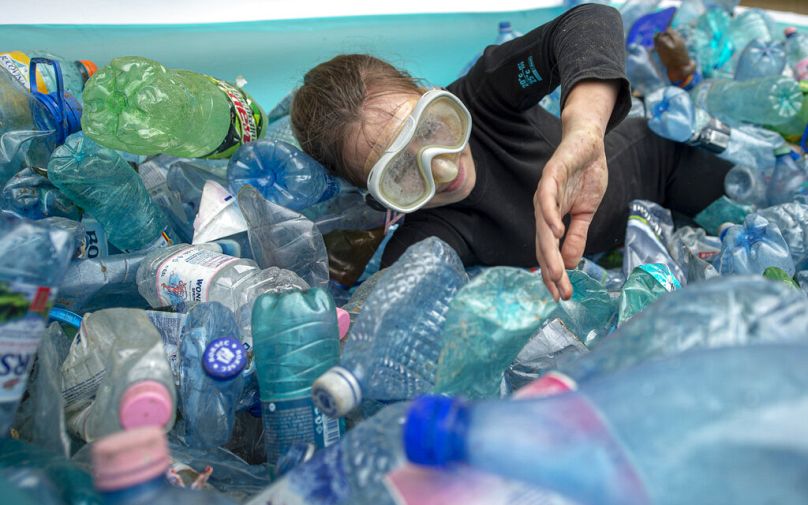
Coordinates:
<point>23,313</point>
<point>288,422</point>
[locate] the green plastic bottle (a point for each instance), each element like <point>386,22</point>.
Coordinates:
<point>645,284</point>
<point>137,105</point>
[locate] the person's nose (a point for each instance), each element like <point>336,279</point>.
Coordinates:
<point>444,169</point>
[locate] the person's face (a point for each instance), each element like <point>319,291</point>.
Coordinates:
<point>383,116</point>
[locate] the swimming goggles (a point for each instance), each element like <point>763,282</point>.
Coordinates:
<point>439,126</point>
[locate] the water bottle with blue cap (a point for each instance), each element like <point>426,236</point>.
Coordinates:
<point>212,358</point>
<point>753,246</point>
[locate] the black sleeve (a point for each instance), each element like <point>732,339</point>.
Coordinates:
<point>417,228</point>
<point>583,43</point>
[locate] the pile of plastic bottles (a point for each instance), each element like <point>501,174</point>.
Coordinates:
<point>193,309</point>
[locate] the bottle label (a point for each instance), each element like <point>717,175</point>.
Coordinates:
<point>82,374</point>
<point>412,485</point>
<point>246,121</point>
<point>288,422</point>
<point>186,275</point>
<point>95,239</point>
<point>23,315</point>
<point>16,64</point>
<point>169,324</point>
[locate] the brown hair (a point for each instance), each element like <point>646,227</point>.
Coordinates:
<point>329,105</point>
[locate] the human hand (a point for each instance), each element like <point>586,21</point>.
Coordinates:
<point>573,182</point>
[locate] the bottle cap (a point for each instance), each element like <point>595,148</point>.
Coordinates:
<point>434,430</point>
<point>145,403</point>
<point>722,230</point>
<point>344,322</point>
<point>790,31</point>
<point>505,26</point>
<point>336,392</point>
<point>90,68</point>
<point>128,458</point>
<point>224,358</point>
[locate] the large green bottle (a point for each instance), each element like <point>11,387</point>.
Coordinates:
<point>137,105</point>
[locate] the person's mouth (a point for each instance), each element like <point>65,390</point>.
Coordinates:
<point>458,181</point>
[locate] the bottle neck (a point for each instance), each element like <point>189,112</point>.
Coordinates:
<point>137,492</point>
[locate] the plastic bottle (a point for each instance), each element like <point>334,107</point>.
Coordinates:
<point>710,42</point>
<point>393,346</point>
<point>137,105</point>
<point>749,25</point>
<point>282,174</point>
<point>33,260</point>
<point>74,73</point>
<point>771,100</point>
<point>632,10</point>
<point>296,339</point>
<point>611,441</point>
<point>748,185</point>
<point>506,33</point>
<point>29,194</point>
<point>792,220</point>
<point>155,181</point>
<point>648,231</point>
<point>641,70</point>
<point>212,358</point>
<point>672,49</point>
<point>789,178</point>
<point>721,211</point>
<point>116,376</point>
<point>102,183</point>
<point>797,52</point>
<point>130,468</point>
<point>692,249</point>
<point>753,246</point>
<point>590,313</point>
<point>761,59</point>
<point>645,284</point>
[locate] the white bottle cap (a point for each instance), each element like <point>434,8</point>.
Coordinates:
<point>336,392</point>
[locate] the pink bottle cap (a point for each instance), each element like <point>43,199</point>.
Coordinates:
<point>146,403</point>
<point>128,458</point>
<point>344,322</point>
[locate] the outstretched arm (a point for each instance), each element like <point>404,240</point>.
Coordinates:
<point>573,182</point>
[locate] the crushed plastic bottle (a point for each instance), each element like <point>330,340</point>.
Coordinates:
<point>792,221</point>
<point>760,59</point>
<point>753,246</point>
<point>789,178</point>
<point>590,313</point>
<point>137,105</point>
<point>645,284</point>
<point>116,376</point>
<point>296,339</point>
<point>593,447</point>
<point>102,183</point>
<point>33,196</point>
<point>797,52</point>
<point>393,346</point>
<point>648,231</point>
<point>212,358</point>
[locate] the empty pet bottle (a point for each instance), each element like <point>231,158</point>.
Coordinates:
<point>749,25</point>
<point>710,41</point>
<point>296,339</point>
<point>130,468</point>
<point>282,173</point>
<point>212,358</point>
<point>648,231</point>
<point>645,284</point>
<point>394,344</point>
<point>797,52</point>
<point>770,100</point>
<point>137,105</point>
<point>672,49</point>
<point>610,442</point>
<point>74,73</point>
<point>489,321</point>
<point>761,59</point>
<point>506,33</point>
<point>116,375</point>
<point>748,185</point>
<point>753,246</point>
<point>589,313</point>
<point>792,220</point>
<point>789,178</point>
<point>641,70</point>
<point>102,183</point>
<point>29,194</point>
<point>33,260</point>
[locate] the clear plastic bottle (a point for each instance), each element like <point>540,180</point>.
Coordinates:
<point>282,174</point>
<point>611,442</point>
<point>761,59</point>
<point>792,220</point>
<point>116,376</point>
<point>753,246</point>
<point>771,100</point>
<point>506,33</point>
<point>296,339</point>
<point>747,185</point>
<point>102,183</point>
<point>33,261</point>
<point>212,358</point>
<point>137,105</point>
<point>29,194</point>
<point>642,71</point>
<point>129,468</point>
<point>710,42</point>
<point>393,346</point>
<point>797,52</point>
<point>74,73</point>
<point>645,284</point>
<point>590,313</point>
<point>789,178</point>
<point>489,321</point>
<point>749,25</point>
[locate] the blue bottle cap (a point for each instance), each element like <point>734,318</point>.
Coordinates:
<point>224,358</point>
<point>643,30</point>
<point>434,433</point>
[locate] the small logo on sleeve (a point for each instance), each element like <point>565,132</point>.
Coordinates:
<point>528,74</point>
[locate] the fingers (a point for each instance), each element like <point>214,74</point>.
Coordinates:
<point>547,201</point>
<point>575,241</point>
<point>549,257</point>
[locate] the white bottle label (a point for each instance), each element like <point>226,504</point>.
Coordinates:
<point>186,276</point>
<point>23,314</point>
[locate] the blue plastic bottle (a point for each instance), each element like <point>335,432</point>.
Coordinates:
<point>33,261</point>
<point>393,347</point>
<point>129,468</point>
<point>747,185</point>
<point>752,247</point>
<point>761,59</point>
<point>752,24</point>
<point>789,178</point>
<point>792,220</point>
<point>714,426</point>
<point>642,71</point>
<point>282,173</point>
<point>211,360</point>
<point>710,42</point>
<point>102,183</point>
<point>31,195</point>
<point>506,33</point>
<point>295,339</point>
